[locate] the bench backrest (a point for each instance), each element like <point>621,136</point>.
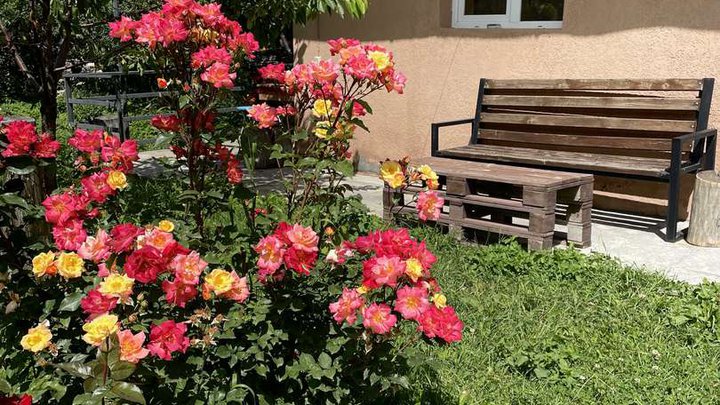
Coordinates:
<point>618,117</point>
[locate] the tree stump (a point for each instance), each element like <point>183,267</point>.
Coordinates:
<point>705,217</point>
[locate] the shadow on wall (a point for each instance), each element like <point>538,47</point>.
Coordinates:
<point>403,19</point>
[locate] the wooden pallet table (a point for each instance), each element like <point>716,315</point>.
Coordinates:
<point>506,200</point>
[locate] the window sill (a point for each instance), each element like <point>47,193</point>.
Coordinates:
<point>506,26</point>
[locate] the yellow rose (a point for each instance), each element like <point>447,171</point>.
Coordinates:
<point>322,108</point>
<point>43,264</point>
<point>70,265</point>
<point>100,329</point>
<point>391,173</point>
<point>37,338</point>
<point>117,285</point>
<point>321,129</point>
<point>381,60</point>
<point>362,290</point>
<point>117,180</point>
<point>166,226</point>
<point>219,281</point>
<point>413,269</point>
<point>427,172</point>
<point>439,300</point>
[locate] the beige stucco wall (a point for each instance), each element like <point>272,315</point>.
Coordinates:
<point>600,39</point>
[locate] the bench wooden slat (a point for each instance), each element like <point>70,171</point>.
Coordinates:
<point>630,103</point>
<point>521,176</point>
<point>590,122</point>
<point>609,142</point>
<point>493,202</point>
<point>599,84</point>
<point>647,167</point>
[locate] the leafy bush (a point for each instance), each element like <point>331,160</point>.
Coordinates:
<point>200,290</point>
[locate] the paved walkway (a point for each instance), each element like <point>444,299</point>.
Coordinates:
<point>635,240</point>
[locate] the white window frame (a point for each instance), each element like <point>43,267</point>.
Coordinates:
<point>511,19</point>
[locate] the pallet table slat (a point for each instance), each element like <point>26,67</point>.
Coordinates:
<point>482,196</point>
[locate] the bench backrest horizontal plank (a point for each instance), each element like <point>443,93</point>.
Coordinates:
<point>584,121</point>
<point>608,116</point>
<point>600,84</point>
<point>620,102</point>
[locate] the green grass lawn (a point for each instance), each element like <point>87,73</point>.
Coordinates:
<point>562,328</point>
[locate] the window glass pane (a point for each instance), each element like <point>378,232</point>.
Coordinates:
<point>485,7</point>
<point>541,10</point>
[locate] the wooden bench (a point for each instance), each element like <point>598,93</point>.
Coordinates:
<point>506,200</point>
<point>638,129</point>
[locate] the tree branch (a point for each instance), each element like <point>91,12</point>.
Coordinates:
<point>66,44</point>
<point>16,54</point>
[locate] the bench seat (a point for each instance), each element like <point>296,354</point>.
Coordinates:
<point>579,161</point>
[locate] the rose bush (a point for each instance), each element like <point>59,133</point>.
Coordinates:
<point>290,297</point>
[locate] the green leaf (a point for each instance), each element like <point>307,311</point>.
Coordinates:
<point>122,370</point>
<point>307,362</point>
<point>360,123</point>
<point>87,399</point>
<point>325,360</point>
<point>541,372</point>
<point>13,199</point>
<point>224,351</point>
<point>345,167</point>
<point>77,369</point>
<point>5,387</point>
<point>184,100</point>
<point>129,392</point>
<point>21,171</point>
<point>188,195</point>
<point>71,302</point>
<point>299,136</point>
<point>215,195</point>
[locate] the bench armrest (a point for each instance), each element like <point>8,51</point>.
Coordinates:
<point>706,133</point>
<point>435,132</point>
<point>705,139</point>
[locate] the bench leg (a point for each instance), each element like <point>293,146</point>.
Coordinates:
<point>457,215</point>
<point>671,234</point>
<point>579,225</point>
<point>540,243</point>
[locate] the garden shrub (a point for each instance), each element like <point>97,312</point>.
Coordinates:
<point>217,294</point>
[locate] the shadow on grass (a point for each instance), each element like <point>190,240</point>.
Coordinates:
<point>425,388</point>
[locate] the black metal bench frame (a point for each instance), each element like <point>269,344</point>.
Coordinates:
<point>702,156</point>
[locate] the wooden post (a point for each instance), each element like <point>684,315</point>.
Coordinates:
<point>705,217</point>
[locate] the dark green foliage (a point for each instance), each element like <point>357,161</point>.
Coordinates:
<point>268,19</point>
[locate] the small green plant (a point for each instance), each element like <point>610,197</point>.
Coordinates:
<point>506,258</point>
<point>550,360</point>
<point>696,312</point>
